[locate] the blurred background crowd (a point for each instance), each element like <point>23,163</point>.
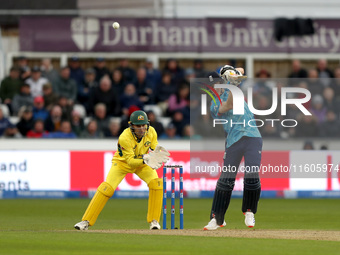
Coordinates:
<point>78,100</point>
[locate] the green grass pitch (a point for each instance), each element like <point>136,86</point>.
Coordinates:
<point>46,227</point>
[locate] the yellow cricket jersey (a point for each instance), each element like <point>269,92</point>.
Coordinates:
<point>130,151</point>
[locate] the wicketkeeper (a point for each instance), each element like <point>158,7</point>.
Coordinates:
<point>241,141</point>
<point>138,152</point>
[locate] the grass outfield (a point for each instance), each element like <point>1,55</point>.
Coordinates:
<point>46,227</point>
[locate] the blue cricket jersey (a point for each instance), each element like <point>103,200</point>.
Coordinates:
<point>235,127</point>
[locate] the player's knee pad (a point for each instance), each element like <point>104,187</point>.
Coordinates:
<point>156,184</point>
<point>225,184</point>
<point>106,189</point>
<point>155,199</point>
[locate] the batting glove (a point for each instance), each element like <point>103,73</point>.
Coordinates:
<point>232,75</point>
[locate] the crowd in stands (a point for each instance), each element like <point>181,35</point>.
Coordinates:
<point>324,86</point>
<point>96,102</point>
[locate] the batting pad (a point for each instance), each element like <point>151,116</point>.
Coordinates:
<point>155,199</point>
<point>104,192</point>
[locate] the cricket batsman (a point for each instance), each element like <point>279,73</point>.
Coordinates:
<point>138,152</point>
<point>242,141</point>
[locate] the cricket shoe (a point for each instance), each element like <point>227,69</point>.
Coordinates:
<point>83,225</point>
<point>212,225</point>
<point>155,225</point>
<point>249,219</point>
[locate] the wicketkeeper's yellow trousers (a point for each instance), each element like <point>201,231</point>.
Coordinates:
<point>117,173</point>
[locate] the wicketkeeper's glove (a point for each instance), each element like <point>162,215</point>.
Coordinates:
<point>162,150</point>
<point>155,159</point>
<point>152,161</point>
<point>232,75</point>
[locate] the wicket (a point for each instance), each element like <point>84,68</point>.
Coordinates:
<point>173,196</point>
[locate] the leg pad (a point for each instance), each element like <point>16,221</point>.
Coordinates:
<point>251,195</point>
<point>221,199</point>
<point>155,199</point>
<point>103,193</point>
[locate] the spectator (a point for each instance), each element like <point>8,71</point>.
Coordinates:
<point>269,130</point>
<point>36,82</point>
<point>24,98</point>
<point>304,85</point>
<point>124,123</point>
<point>65,131</point>
<point>318,109</point>
<point>297,73</point>
<point>336,84</point>
<point>85,88</point>
<point>130,98</point>
<point>170,133</point>
<point>52,123</point>
<point>77,123</point>
<point>66,86</point>
<point>101,117</point>
<point>50,98</point>
<point>179,121</point>
<point>25,71</point>
<point>76,72</point>
<point>65,108</point>
<point>106,95</point>
<point>331,127</point>
<point>153,75</point>
<point>4,123</point>
<point>39,111</point>
<point>143,87</point>
<point>263,86</point>
<point>165,88</point>
<point>177,73</point>
<point>92,131</point>
<point>100,68</point>
<point>263,103</point>
<point>12,132</point>
<point>329,100</point>
<point>324,73</point>
<point>114,129</point>
<point>158,126</point>
<point>180,100</point>
<point>308,127</point>
<point>10,86</point>
<point>189,133</point>
<point>48,71</point>
<point>314,84</point>
<point>26,122</point>
<point>199,70</point>
<point>118,83</point>
<point>203,127</point>
<point>129,75</point>
<point>293,111</point>
<point>189,75</point>
<point>308,145</point>
<point>38,130</point>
